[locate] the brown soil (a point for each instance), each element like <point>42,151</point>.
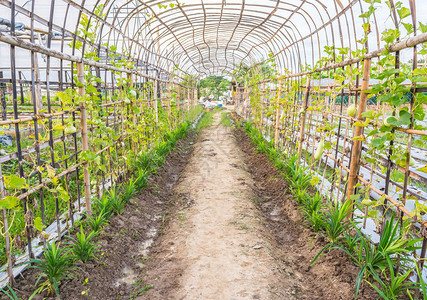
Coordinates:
<point>229,229</point>
<point>332,276</point>
<point>242,237</point>
<point>125,242</point>
<point>214,249</point>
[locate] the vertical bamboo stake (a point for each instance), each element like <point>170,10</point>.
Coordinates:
<point>85,145</point>
<point>358,131</point>
<point>9,254</point>
<point>302,129</point>
<point>247,104</point>
<point>3,99</point>
<point>244,104</point>
<point>156,109</point>
<point>21,88</point>
<point>278,108</point>
<point>38,90</point>
<point>169,95</point>
<point>262,107</point>
<point>132,104</point>
<point>188,99</point>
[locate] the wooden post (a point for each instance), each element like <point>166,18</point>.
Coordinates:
<point>278,108</point>
<point>358,131</point>
<point>303,117</point>
<point>85,144</point>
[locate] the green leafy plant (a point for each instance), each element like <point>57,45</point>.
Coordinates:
<point>96,223</point>
<point>10,293</point>
<point>129,190</point>
<point>392,248</point>
<point>395,284</point>
<point>312,207</point>
<point>116,202</point>
<point>82,247</point>
<point>142,179</point>
<point>103,207</point>
<point>57,265</point>
<point>338,220</point>
<point>300,178</point>
<point>336,224</point>
<point>422,284</point>
<point>351,242</point>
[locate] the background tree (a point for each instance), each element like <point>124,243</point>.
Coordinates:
<point>214,86</point>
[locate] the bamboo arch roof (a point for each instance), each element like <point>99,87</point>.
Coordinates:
<point>203,36</point>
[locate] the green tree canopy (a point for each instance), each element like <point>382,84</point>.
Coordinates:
<point>214,86</point>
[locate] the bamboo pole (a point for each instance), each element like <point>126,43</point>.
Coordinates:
<point>38,91</point>
<point>262,107</point>
<point>303,117</point>
<point>358,131</point>
<point>195,98</point>
<point>8,249</point>
<point>188,100</point>
<point>85,145</point>
<point>169,95</point>
<point>278,108</point>
<point>156,108</point>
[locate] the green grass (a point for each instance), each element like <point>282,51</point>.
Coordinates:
<point>207,119</point>
<point>225,120</point>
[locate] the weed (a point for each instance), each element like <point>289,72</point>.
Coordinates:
<point>140,291</point>
<point>181,216</point>
<point>225,120</point>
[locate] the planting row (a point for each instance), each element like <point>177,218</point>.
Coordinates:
<point>387,265</point>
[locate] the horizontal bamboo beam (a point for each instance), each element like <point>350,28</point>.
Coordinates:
<point>14,41</point>
<point>407,43</point>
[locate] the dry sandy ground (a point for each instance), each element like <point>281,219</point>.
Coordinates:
<point>215,244</point>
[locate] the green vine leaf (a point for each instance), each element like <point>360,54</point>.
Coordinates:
<point>62,193</point>
<point>14,182</point>
<point>10,202</point>
<point>38,224</point>
<point>404,12</point>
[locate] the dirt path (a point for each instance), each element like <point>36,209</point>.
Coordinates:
<point>236,233</point>
<point>215,245</point>
<point>223,225</point>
